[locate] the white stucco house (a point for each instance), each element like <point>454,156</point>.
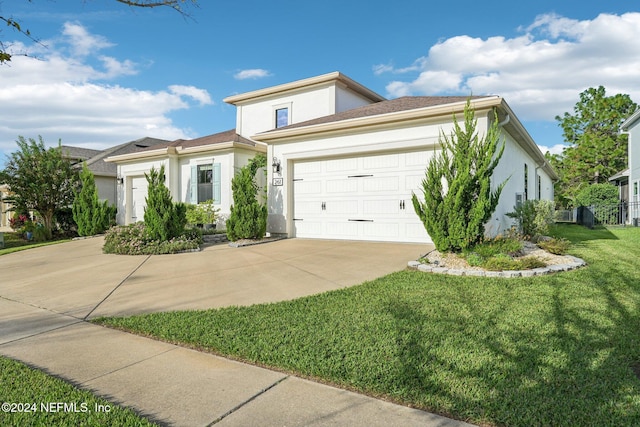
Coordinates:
<point>629,179</point>
<point>344,161</point>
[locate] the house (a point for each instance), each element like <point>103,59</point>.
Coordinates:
<point>105,174</point>
<point>5,213</point>
<point>629,179</point>
<point>344,161</point>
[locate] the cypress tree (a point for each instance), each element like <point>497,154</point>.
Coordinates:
<point>91,216</point>
<point>163,219</point>
<point>457,185</point>
<point>248,219</point>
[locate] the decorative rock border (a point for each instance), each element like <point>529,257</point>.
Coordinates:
<point>243,243</point>
<point>572,264</point>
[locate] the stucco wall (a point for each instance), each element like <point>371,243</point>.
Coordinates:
<point>106,186</point>
<point>410,138</point>
<point>634,159</point>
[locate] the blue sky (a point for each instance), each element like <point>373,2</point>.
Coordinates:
<point>106,73</point>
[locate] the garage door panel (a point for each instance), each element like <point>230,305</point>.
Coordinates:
<point>382,184</point>
<point>381,207</point>
<point>308,187</point>
<point>383,161</point>
<point>346,185</point>
<point>341,165</point>
<point>341,229</point>
<point>309,228</point>
<point>308,167</point>
<point>346,207</point>
<point>380,229</point>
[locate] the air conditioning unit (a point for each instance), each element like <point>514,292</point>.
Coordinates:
<point>636,222</point>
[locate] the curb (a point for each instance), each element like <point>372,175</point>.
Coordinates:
<point>574,263</point>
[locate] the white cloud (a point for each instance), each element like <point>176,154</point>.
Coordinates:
<point>255,73</point>
<point>64,94</point>
<point>555,149</point>
<point>200,95</point>
<point>541,72</point>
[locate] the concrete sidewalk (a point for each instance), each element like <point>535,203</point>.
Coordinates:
<point>45,306</point>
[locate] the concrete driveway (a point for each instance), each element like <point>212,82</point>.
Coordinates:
<point>77,279</point>
<point>46,294</point>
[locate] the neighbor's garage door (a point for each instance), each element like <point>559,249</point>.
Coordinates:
<point>138,195</point>
<point>359,198</point>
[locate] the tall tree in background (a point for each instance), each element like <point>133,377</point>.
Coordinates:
<point>40,179</point>
<point>10,22</point>
<point>596,150</point>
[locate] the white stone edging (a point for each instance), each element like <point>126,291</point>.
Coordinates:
<point>574,262</point>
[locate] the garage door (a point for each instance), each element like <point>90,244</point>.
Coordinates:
<point>359,198</point>
<point>138,195</point>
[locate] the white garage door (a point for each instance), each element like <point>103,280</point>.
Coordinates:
<point>360,198</point>
<point>139,187</point>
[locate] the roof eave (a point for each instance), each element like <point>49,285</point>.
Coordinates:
<point>140,155</point>
<point>305,83</point>
<point>379,119</point>
<point>624,127</point>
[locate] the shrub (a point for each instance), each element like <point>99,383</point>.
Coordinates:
<point>597,194</point>
<point>164,219</point>
<point>18,220</point>
<point>248,219</point>
<point>555,246</point>
<point>499,245</point>
<point>458,199</point>
<point>133,240</point>
<point>202,213</point>
<point>65,223</point>
<point>91,216</point>
<point>534,217</point>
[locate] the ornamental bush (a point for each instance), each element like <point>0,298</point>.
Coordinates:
<point>533,217</point>
<point>133,240</point>
<point>163,218</point>
<point>248,219</point>
<point>597,194</point>
<point>91,216</point>
<point>458,199</point>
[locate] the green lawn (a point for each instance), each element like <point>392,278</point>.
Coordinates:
<point>31,398</point>
<point>556,350</point>
<point>14,242</point>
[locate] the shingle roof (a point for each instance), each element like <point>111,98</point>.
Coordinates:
<point>95,158</point>
<point>78,153</point>
<point>384,107</point>
<point>216,138</point>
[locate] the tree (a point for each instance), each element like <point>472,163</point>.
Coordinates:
<point>458,199</point>
<point>598,194</point>
<point>596,150</point>
<point>40,179</point>
<point>248,219</point>
<point>163,219</point>
<point>91,216</point>
<point>177,5</point>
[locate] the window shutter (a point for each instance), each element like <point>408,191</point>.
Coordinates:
<point>194,185</point>
<point>216,184</point>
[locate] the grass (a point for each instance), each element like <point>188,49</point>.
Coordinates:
<point>560,350</point>
<point>14,242</point>
<point>20,385</point>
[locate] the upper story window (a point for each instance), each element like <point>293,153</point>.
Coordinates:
<point>282,117</point>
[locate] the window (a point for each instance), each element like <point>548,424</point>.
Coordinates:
<point>539,188</point>
<point>635,191</point>
<point>526,182</point>
<point>205,183</point>
<point>282,117</point>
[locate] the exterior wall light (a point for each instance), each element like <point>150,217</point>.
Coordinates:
<point>276,165</point>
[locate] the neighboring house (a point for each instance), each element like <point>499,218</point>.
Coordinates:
<point>629,179</point>
<point>5,214</point>
<point>105,174</point>
<point>344,161</point>
<point>195,171</point>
